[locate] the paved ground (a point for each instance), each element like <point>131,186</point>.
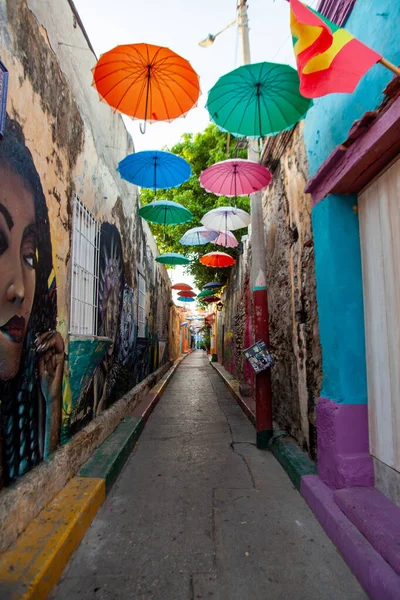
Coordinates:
<point>199,512</point>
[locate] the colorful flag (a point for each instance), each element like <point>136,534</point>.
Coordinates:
<point>329,59</point>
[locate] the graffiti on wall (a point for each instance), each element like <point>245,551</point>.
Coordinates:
<point>31,350</point>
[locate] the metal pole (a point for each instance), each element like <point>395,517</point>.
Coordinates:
<point>258,279</point>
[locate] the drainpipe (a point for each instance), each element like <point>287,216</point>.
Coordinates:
<point>258,279</point>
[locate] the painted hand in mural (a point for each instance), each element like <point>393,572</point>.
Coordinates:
<point>50,348</point>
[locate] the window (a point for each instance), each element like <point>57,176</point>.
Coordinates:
<point>85,270</point>
<point>142,306</point>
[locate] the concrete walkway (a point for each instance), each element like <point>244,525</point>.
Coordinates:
<point>199,512</point>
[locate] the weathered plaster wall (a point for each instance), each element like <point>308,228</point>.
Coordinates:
<point>293,321</point>
<point>69,143</point>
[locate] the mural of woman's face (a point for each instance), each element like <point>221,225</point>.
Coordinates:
<point>18,247</point>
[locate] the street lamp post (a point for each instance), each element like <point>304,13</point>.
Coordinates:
<point>258,279</point>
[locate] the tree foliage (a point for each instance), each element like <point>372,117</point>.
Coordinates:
<point>201,151</point>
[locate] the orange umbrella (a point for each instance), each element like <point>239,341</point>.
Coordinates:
<point>188,294</point>
<point>181,286</point>
<point>146,82</point>
<point>217,259</point>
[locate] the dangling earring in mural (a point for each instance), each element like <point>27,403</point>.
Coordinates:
<point>31,350</point>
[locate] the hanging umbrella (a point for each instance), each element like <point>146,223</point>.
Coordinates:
<point>211,299</point>
<point>213,285</point>
<point>205,293</point>
<point>182,299</point>
<point>235,177</point>
<point>165,212</point>
<point>198,236</point>
<point>226,218</point>
<point>257,100</point>
<point>171,258</point>
<point>217,259</point>
<point>226,239</point>
<point>146,82</point>
<point>181,286</point>
<point>154,169</point>
<point>186,294</point>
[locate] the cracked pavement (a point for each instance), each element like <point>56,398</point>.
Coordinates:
<point>199,512</point>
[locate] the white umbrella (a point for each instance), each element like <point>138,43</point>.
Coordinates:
<point>226,218</point>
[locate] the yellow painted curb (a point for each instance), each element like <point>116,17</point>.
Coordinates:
<point>35,562</point>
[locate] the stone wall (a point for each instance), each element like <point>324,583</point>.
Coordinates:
<point>294,336</point>
<point>61,144</point>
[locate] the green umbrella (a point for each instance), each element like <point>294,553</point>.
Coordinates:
<point>205,293</point>
<point>257,100</point>
<point>171,258</point>
<point>165,212</point>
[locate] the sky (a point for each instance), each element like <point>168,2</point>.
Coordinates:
<point>180,25</point>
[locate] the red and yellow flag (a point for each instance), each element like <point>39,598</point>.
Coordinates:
<point>329,59</point>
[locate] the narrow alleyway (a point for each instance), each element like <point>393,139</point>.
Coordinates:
<point>199,512</point>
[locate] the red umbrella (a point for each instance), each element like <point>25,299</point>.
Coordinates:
<point>211,299</point>
<point>187,294</point>
<point>181,286</point>
<point>217,259</point>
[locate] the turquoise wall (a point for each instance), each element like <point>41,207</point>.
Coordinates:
<point>340,300</point>
<point>335,219</point>
<point>377,24</point>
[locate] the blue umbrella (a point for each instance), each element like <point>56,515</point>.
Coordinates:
<point>154,169</point>
<point>198,235</point>
<point>213,285</point>
<point>182,299</point>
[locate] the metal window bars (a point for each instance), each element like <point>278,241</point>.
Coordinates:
<point>85,270</point>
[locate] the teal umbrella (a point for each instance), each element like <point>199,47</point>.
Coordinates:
<point>257,100</point>
<point>171,258</point>
<point>205,293</point>
<point>165,212</point>
<point>182,299</point>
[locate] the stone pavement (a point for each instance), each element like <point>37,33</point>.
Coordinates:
<point>199,512</point>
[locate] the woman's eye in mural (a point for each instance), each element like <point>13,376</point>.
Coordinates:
<point>3,242</point>
<point>29,246</point>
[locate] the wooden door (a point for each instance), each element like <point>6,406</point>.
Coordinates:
<point>379,211</point>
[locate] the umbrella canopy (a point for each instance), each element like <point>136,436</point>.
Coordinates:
<point>226,239</point>
<point>165,212</point>
<point>211,299</point>
<point>235,177</point>
<point>198,236</point>
<point>226,218</point>
<point>154,169</point>
<point>204,294</point>
<point>146,82</point>
<point>213,285</point>
<point>181,286</point>
<point>257,100</point>
<point>182,299</point>
<point>217,259</point>
<point>171,258</point>
<point>187,294</point>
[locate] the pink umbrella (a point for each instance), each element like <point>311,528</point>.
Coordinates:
<point>235,177</point>
<point>227,239</point>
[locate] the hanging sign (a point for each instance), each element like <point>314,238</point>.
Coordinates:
<point>3,97</point>
<point>258,356</point>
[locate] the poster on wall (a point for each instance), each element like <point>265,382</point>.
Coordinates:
<point>3,97</point>
<point>258,356</point>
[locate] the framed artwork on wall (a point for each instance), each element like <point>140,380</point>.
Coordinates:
<point>3,97</point>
